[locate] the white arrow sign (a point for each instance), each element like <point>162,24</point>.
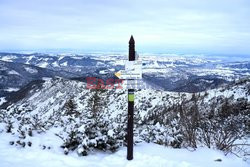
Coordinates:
<point>122,74</point>
<point>133,70</point>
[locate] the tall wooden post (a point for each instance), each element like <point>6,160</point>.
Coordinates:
<point>130,127</point>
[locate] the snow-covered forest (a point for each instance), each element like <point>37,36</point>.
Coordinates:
<point>61,116</point>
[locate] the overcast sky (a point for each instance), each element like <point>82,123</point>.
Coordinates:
<point>182,26</point>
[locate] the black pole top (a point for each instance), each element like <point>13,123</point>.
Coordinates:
<point>131,54</point>
<point>131,41</point>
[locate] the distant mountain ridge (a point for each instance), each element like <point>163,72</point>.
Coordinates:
<point>14,76</point>
<point>178,74</point>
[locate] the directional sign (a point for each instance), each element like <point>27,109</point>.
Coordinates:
<point>134,84</point>
<point>122,74</point>
<point>133,65</point>
<point>133,70</point>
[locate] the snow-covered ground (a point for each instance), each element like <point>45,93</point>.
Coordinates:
<point>145,155</point>
<point>11,89</point>
<point>31,70</point>
<point>2,100</point>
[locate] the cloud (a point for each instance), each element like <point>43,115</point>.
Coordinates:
<point>162,25</point>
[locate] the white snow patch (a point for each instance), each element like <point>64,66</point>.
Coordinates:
<point>111,132</point>
<point>103,72</point>
<point>60,58</point>
<point>46,78</point>
<point>29,59</point>
<point>11,89</point>
<point>8,58</point>
<point>43,64</point>
<point>2,100</point>
<point>31,70</point>
<point>55,64</point>
<point>64,64</point>
<point>13,72</point>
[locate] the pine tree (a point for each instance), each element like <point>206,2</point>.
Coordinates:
<point>70,107</point>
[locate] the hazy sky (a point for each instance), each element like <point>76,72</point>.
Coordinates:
<point>186,26</point>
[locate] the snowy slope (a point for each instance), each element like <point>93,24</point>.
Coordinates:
<point>55,92</point>
<point>145,155</point>
<point>42,111</point>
